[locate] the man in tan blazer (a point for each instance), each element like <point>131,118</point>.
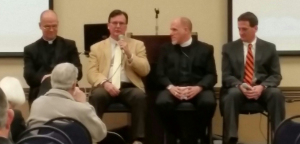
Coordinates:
<point>116,66</point>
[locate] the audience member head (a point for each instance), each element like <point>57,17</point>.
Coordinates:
<point>247,24</point>
<point>6,116</point>
<point>64,77</point>
<point>13,91</point>
<point>49,24</point>
<point>181,30</point>
<point>117,23</point>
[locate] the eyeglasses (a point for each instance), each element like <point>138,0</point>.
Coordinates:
<point>116,23</point>
<point>50,27</point>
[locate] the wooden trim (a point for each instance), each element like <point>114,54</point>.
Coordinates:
<point>195,33</point>
<point>129,34</point>
<point>290,93</point>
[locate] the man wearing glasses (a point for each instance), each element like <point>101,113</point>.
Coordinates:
<point>44,54</point>
<point>116,66</point>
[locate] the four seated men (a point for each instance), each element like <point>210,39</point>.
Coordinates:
<point>186,68</point>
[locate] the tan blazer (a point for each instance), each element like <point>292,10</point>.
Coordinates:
<point>100,60</point>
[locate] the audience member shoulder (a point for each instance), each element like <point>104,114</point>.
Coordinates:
<point>39,102</point>
<point>84,107</point>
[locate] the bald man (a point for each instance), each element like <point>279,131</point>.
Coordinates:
<point>186,67</point>
<point>44,54</point>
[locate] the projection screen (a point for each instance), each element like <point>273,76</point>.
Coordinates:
<point>19,27</point>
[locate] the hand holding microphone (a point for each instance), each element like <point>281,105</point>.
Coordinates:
<point>122,43</point>
<point>124,46</point>
<point>247,90</point>
<point>246,86</point>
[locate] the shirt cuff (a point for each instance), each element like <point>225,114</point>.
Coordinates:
<point>170,86</point>
<point>103,82</point>
<point>130,59</point>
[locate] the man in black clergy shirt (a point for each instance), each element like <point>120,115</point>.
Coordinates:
<point>44,54</point>
<point>187,69</point>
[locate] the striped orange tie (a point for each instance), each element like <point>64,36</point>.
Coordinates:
<point>249,66</point>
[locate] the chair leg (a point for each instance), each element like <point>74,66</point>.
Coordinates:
<point>165,137</point>
<point>210,133</point>
<point>268,131</point>
<point>271,133</point>
<point>223,132</point>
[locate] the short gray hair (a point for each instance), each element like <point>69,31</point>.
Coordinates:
<point>63,76</point>
<point>3,109</point>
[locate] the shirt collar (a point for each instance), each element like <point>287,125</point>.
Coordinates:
<point>49,41</point>
<point>253,42</point>
<point>113,41</point>
<point>187,43</point>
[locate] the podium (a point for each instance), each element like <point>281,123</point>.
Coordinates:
<point>153,43</point>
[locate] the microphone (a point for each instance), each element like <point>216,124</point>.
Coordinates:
<point>246,86</point>
<point>121,37</point>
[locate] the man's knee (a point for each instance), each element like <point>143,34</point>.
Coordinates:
<point>232,95</point>
<point>99,94</point>
<point>275,93</point>
<point>207,99</point>
<point>164,100</point>
<point>139,96</point>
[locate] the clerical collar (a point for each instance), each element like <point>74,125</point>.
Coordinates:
<point>49,41</point>
<point>253,42</point>
<point>187,43</point>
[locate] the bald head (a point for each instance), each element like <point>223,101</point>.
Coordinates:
<point>48,14</point>
<point>184,22</point>
<point>48,24</point>
<point>181,30</point>
<point>187,23</point>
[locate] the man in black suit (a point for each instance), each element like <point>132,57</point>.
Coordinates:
<point>43,55</point>
<point>186,68</point>
<point>250,73</point>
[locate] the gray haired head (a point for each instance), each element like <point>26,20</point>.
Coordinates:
<point>64,76</point>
